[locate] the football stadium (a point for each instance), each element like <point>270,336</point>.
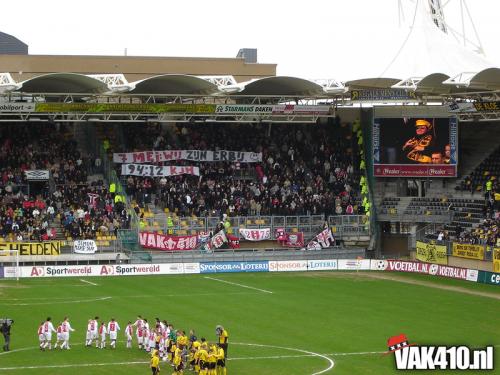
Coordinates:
<point>208,216</point>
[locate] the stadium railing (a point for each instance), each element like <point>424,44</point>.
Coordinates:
<point>343,225</point>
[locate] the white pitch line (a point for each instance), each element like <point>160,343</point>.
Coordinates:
<point>55,301</point>
<point>330,361</point>
<point>241,285</point>
<point>301,356</point>
<point>89,282</point>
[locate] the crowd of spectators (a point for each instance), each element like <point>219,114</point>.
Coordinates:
<point>29,210</point>
<point>305,169</point>
<point>487,233</point>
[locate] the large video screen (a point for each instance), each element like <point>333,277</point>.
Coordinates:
<point>415,147</point>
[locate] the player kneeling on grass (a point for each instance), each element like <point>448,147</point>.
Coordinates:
<point>102,333</point>
<point>155,362</point>
<point>113,328</point>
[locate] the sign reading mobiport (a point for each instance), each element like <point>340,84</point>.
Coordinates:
<point>431,269</point>
<point>468,251</point>
<point>33,248</point>
<point>17,107</point>
<point>431,253</point>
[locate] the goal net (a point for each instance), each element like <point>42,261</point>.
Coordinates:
<point>9,264</point>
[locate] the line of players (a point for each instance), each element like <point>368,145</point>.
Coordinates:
<point>162,341</point>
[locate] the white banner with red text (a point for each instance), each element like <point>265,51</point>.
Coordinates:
<point>108,270</point>
<point>217,241</point>
<point>256,234</point>
<point>141,157</point>
<point>147,170</point>
<point>322,240</point>
<point>151,240</point>
<point>287,265</point>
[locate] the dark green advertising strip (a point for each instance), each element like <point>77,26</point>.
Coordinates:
<point>123,107</point>
<point>486,277</point>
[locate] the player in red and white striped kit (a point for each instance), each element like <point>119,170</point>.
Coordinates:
<point>59,337</point>
<point>129,332</point>
<point>41,336</point>
<point>48,328</point>
<point>92,334</point>
<point>66,329</point>
<point>102,333</point>
<point>151,341</point>
<point>139,323</point>
<point>145,337</point>
<point>113,328</point>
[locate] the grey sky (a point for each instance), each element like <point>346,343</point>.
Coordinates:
<point>310,39</point>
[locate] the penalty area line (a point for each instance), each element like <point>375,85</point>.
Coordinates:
<point>240,285</point>
<point>89,282</point>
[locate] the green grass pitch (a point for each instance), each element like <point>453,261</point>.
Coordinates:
<point>309,321</point>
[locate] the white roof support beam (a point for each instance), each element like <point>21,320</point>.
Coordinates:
<point>220,80</point>
<point>460,80</point>
<point>331,86</point>
<point>408,84</point>
<point>7,83</point>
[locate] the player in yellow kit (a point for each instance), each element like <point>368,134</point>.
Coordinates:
<point>203,357</point>
<point>221,361</point>
<point>155,362</point>
<point>195,345</point>
<point>223,338</point>
<point>178,364</point>
<point>212,360</point>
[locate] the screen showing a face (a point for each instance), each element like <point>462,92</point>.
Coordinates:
<point>415,147</point>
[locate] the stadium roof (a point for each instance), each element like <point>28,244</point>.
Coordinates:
<point>279,86</point>
<point>168,84</point>
<point>174,84</point>
<point>63,83</point>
